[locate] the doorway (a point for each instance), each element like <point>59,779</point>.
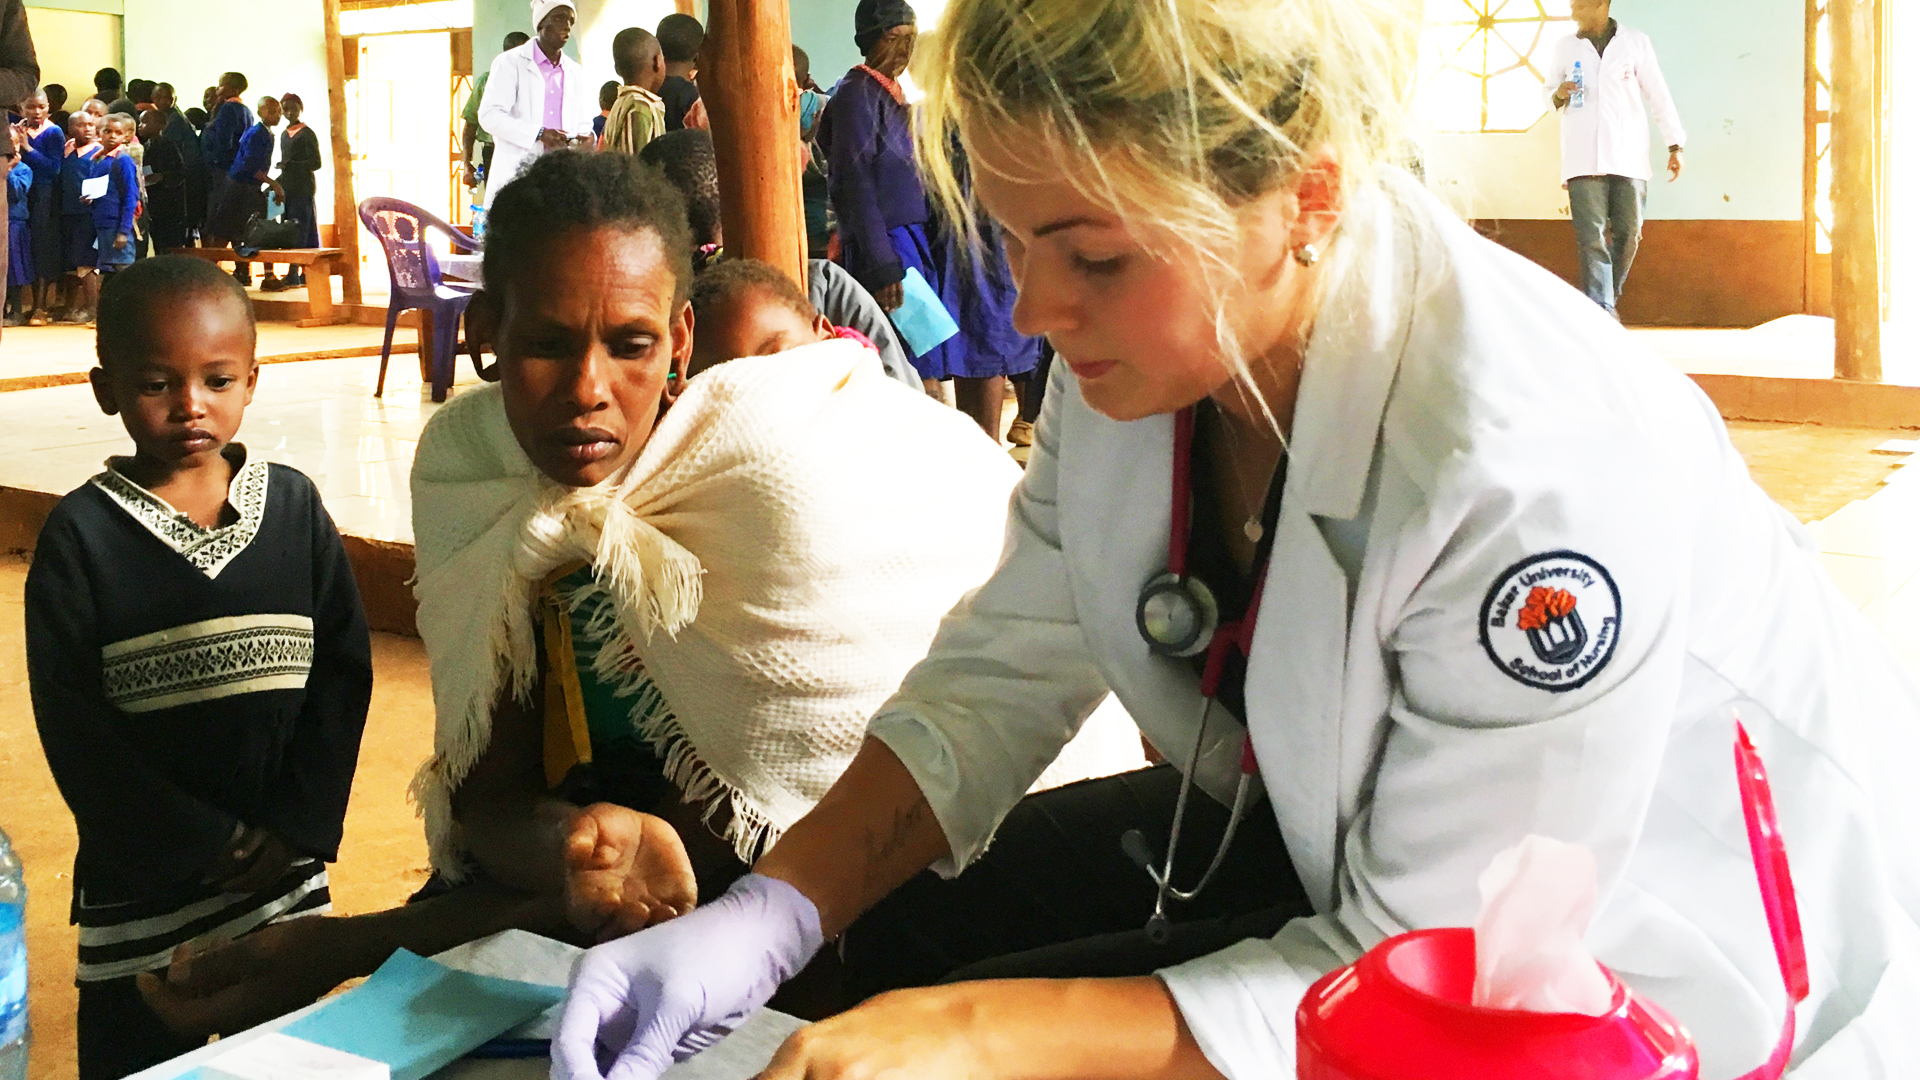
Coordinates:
<point>401,114</point>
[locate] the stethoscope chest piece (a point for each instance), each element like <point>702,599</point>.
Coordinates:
<point>1177,615</point>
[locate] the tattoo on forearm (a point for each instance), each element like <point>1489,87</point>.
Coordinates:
<point>882,847</point>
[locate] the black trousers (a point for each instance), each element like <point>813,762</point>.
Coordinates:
<point>1056,897</point>
<point>119,1034</point>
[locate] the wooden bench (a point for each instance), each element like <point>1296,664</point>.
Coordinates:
<point>322,266</point>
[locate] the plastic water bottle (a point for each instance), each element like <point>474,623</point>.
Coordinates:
<point>13,965</point>
<point>1578,99</point>
<point>479,220</point>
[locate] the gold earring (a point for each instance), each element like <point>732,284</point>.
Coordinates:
<point>1306,254</point>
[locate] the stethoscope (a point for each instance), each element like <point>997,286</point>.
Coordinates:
<point>1179,617</point>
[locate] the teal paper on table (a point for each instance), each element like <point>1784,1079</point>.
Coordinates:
<point>923,321</point>
<point>417,1016</point>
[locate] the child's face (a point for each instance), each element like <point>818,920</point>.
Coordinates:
<point>290,110</point>
<point>115,134</point>
<point>269,111</point>
<point>752,323</point>
<point>34,110</point>
<point>589,329</point>
<point>182,398</point>
<point>84,126</point>
<point>95,108</point>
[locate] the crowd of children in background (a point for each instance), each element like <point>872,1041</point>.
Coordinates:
<point>129,174</point>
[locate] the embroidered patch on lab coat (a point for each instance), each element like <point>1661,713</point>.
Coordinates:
<point>1552,621</point>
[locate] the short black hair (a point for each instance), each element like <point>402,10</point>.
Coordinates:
<point>141,91</point>
<point>680,38</point>
<point>609,93</point>
<point>196,117</point>
<point>235,80</point>
<point>686,158</point>
<point>106,79</point>
<point>729,279</point>
<point>633,53</point>
<point>138,295</point>
<point>514,40</point>
<point>292,100</point>
<point>53,90</point>
<point>802,67</point>
<point>578,189</point>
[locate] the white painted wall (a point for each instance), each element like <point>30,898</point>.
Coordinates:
<point>279,45</point>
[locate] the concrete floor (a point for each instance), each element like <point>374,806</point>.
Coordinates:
<point>1813,471</point>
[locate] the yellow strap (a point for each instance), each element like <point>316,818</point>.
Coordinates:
<point>566,741</point>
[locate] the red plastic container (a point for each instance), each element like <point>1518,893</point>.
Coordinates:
<point>1405,1010</point>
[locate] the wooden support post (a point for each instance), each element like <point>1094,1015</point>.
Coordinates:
<point>1855,155</point>
<point>746,79</point>
<point>346,210</point>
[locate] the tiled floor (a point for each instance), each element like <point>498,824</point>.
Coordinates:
<point>319,416</point>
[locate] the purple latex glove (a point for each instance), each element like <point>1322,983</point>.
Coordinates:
<point>639,1004</point>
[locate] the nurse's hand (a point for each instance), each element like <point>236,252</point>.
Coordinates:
<point>625,872</point>
<point>637,1005</point>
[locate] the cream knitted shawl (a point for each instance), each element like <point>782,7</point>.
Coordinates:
<point>777,557</point>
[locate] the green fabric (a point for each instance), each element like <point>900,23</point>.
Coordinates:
<point>609,719</point>
<point>472,112</point>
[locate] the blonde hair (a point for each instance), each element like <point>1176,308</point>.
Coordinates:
<point>1175,113</point>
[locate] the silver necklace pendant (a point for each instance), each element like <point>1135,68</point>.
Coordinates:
<point>1253,529</point>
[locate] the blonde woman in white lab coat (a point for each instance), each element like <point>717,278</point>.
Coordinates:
<point>1519,582</point>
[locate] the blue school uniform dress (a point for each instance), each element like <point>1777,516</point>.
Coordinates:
<point>76,217</point>
<point>43,155</point>
<point>113,212</point>
<point>886,227</point>
<point>20,270</point>
<point>187,681</point>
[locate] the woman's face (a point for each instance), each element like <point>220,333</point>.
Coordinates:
<point>1134,324</point>
<point>893,51</point>
<point>590,327</point>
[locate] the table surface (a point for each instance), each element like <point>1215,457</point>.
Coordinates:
<point>517,954</point>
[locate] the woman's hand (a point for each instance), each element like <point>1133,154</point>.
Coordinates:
<point>625,871</point>
<point>1084,1029</point>
<point>222,988</point>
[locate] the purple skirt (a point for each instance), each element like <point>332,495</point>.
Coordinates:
<point>20,268</point>
<point>979,294</point>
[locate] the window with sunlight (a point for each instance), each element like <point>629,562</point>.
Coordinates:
<point>1481,62</point>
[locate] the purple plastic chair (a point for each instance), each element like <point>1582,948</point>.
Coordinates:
<point>402,229</point>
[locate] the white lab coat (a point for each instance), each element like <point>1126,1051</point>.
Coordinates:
<point>1460,411</point>
<point>514,102</point>
<point>1607,136</point>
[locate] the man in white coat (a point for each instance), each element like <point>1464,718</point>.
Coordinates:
<point>537,97</point>
<point>1598,76</point>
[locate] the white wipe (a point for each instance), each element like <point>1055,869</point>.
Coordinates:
<point>1529,941</point>
<point>283,1057</point>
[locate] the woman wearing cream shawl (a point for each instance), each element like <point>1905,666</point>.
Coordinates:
<point>658,618</point>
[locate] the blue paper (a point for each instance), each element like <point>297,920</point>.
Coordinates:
<point>416,1016</point>
<point>923,321</point>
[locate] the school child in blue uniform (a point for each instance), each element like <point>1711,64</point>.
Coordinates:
<point>46,143</point>
<point>77,235</point>
<point>20,269</point>
<point>113,212</point>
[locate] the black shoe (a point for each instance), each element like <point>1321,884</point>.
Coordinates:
<point>244,277</point>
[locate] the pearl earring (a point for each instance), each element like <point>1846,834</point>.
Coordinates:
<point>1306,254</point>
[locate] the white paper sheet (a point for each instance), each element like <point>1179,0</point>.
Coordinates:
<point>95,188</point>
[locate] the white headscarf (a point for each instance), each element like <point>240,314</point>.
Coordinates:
<point>543,8</point>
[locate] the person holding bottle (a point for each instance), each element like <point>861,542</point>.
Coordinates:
<point>1599,75</point>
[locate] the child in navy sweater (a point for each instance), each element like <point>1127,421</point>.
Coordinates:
<point>198,658</point>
